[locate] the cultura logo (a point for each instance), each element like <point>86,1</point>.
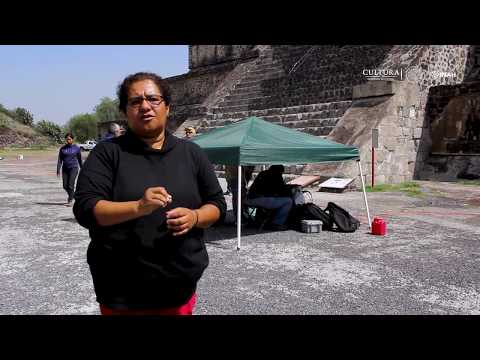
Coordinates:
<point>384,74</point>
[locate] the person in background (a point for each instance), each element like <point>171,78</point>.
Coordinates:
<point>270,192</point>
<point>190,132</point>
<point>231,176</point>
<point>69,159</point>
<point>114,130</point>
<point>146,198</point>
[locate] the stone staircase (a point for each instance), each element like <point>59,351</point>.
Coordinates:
<point>315,119</point>
<point>250,97</point>
<point>249,89</point>
<point>185,116</point>
<point>312,103</point>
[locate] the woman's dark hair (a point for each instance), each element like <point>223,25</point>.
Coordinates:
<point>122,91</point>
<point>277,169</point>
<point>69,135</point>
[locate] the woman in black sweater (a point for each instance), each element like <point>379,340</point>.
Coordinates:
<point>146,198</point>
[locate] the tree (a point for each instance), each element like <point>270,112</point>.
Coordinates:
<point>5,116</point>
<point>50,129</point>
<point>107,110</point>
<point>24,116</point>
<point>4,110</point>
<point>83,127</point>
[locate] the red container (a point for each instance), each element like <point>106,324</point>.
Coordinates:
<point>379,226</point>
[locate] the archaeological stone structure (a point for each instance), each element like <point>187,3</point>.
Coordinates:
<point>424,100</point>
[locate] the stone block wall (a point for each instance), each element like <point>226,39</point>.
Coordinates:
<point>452,154</point>
<point>190,90</point>
<point>326,74</point>
<point>437,65</point>
<point>317,96</point>
<point>451,167</point>
<point>375,106</point>
<point>289,55</point>
<point>440,96</point>
<point>288,87</point>
<point>472,66</point>
<point>213,69</point>
<point>195,87</point>
<point>428,66</point>
<point>402,116</point>
<point>204,56</point>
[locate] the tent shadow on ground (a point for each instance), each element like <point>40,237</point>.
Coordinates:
<point>72,220</point>
<point>224,231</point>
<point>50,203</point>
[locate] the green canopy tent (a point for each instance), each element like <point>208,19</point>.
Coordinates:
<point>254,141</point>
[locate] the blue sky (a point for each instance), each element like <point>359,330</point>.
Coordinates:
<point>58,82</point>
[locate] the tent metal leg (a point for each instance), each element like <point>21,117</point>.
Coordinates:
<point>239,207</point>
<point>364,194</point>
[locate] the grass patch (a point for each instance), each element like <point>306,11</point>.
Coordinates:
<point>34,147</point>
<point>33,150</point>
<point>470,182</point>
<point>410,188</point>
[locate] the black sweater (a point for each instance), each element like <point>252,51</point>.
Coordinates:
<point>268,184</point>
<point>138,263</point>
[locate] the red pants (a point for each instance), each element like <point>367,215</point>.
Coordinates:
<point>185,309</point>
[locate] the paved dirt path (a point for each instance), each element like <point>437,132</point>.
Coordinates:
<point>427,264</point>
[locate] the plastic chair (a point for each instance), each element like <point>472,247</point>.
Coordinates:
<point>259,216</point>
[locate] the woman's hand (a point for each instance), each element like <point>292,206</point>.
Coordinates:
<point>109,213</point>
<point>181,220</point>
<point>153,198</point>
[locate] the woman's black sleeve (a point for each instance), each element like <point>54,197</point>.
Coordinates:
<point>95,183</point>
<point>210,190</point>
<point>79,158</point>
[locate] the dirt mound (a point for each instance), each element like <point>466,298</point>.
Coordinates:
<point>9,137</point>
<point>16,134</point>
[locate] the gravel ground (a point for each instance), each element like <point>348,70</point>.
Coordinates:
<point>427,264</point>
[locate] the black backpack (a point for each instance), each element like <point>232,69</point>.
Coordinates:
<point>308,211</point>
<point>341,218</point>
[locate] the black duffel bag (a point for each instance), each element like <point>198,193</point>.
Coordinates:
<point>308,211</point>
<point>342,219</point>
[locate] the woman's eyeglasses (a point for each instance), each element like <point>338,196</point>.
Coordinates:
<point>153,100</point>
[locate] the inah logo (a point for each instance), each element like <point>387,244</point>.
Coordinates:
<point>412,74</point>
<point>442,74</point>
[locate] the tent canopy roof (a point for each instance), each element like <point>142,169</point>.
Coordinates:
<point>254,141</point>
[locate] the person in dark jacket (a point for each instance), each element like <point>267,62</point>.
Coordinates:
<point>231,176</point>
<point>69,159</point>
<point>146,198</point>
<point>114,130</point>
<point>270,192</point>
